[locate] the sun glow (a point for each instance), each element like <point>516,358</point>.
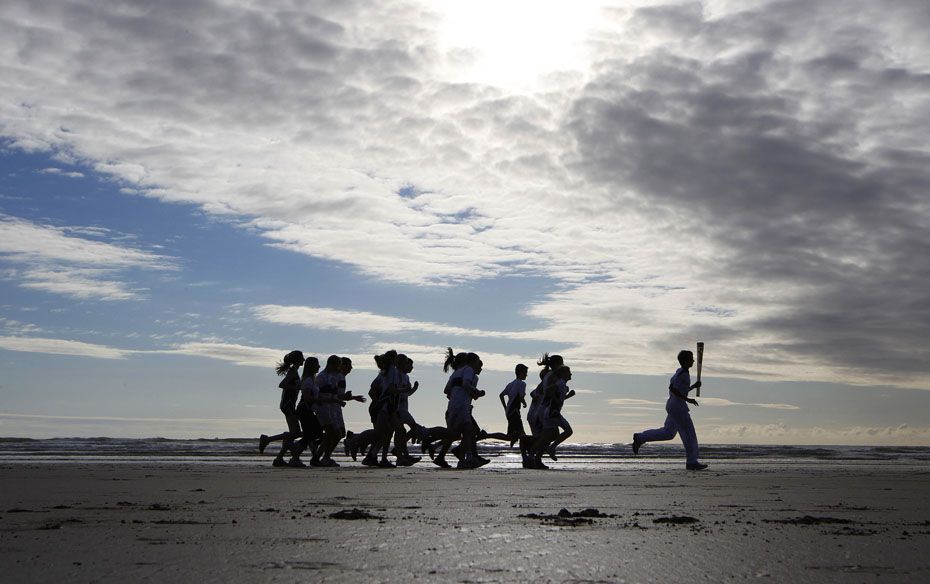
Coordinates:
<point>515,43</point>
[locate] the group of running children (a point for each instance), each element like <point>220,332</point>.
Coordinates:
<point>312,402</point>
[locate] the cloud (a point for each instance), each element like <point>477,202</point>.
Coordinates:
<point>362,321</point>
<point>633,402</point>
<point>49,258</point>
<point>18,328</point>
<point>780,433</point>
<point>233,353</point>
<point>59,171</point>
<point>229,352</point>
<point>721,402</point>
<point>126,418</point>
<point>767,135</point>
<point>61,347</point>
<point>752,177</point>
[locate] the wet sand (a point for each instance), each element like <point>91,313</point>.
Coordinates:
<point>84,522</point>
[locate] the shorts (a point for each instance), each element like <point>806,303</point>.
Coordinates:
<point>323,414</point>
<point>309,424</point>
<point>515,424</point>
<point>532,418</point>
<point>459,420</point>
<point>338,421</point>
<point>290,414</point>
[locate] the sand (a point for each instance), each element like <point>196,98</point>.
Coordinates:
<point>160,522</point>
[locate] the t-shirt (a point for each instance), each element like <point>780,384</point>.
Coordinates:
<point>340,384</point>
<point>308,390</point>
<point>392,377</point>
<point>405,388</point>
<point>462,382</point>
<point>550,388</point>
<point>535,399</point>
<point>563,389</point>
<point>680,382</point>
<point>327,384</point>
<point>516,393</point>
<point>290,387</point>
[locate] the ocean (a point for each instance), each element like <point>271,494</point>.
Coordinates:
<point>244,451</point>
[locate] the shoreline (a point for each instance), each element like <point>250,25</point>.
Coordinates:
<point>242,523</point>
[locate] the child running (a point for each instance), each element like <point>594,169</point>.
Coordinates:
<point>385,412</point>
<point>561,387</point>
<point>538,412</point>
<point>405,365</point>
<point>327,387</point>
<point>515,394</point>
<point>462,392</point>
<point>310,426</point>
<point>290,387</point>
<point>678,420</point>
<point>549,414</point>
<point>532,418</point>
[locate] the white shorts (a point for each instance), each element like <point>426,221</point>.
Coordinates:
<point>324,414</point>
<point>458,419</point>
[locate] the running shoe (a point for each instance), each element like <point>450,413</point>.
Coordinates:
<point>296,463</point>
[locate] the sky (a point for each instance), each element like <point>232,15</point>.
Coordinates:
<point>189,190</point>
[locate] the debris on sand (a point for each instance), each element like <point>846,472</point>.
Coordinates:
<point>676,520</point>
<point>810,520</point>
<point>353,514</point>
<point>568,518</point>
<point>589,512</point>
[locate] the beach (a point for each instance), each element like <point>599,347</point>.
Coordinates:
<point>629,522</point>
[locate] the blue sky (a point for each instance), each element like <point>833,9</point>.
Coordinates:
<point>188,192</point>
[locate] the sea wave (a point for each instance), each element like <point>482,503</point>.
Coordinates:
<point>108,448</point>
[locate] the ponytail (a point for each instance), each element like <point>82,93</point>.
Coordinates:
<point>550,361</point>
<point>450,360</point>
<point>292,359</point>
<point>544,363</point>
